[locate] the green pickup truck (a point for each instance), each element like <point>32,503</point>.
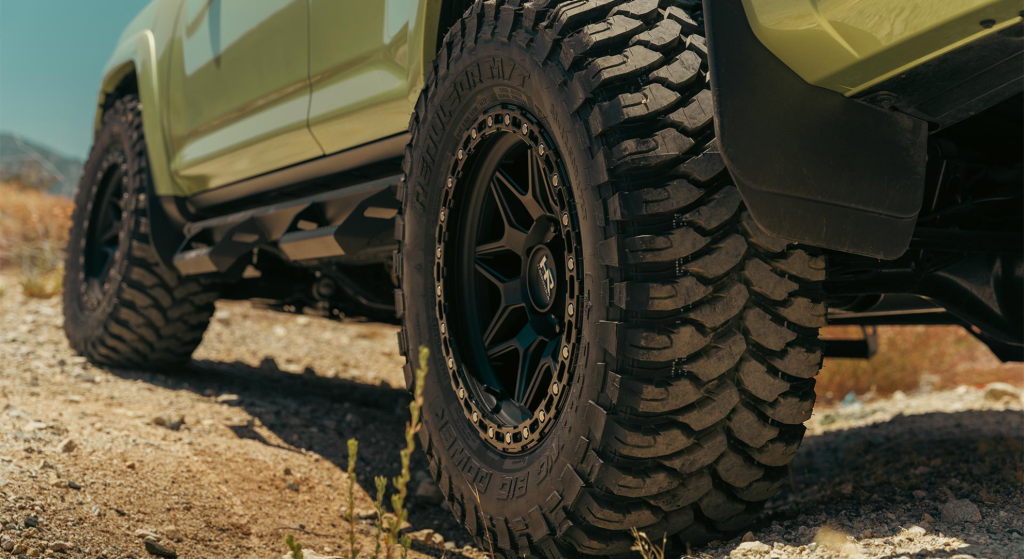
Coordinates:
<point>618,225</point>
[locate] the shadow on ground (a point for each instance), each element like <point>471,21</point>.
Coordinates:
<point>318,414</point>
<point>842,478</point>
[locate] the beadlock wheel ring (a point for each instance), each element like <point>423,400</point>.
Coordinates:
<point>507,294</point>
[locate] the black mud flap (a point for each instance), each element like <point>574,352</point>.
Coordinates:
<point>813,166</point>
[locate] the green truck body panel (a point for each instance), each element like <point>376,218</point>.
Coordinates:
<point>232,89</point>
<point>851,45</point>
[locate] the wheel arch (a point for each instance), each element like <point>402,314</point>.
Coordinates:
<point>133,69</point>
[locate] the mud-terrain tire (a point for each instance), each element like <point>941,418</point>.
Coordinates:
<point>698,336</point>
<point>122,307</point>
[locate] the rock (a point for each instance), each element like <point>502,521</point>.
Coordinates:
<point>83,376</point>
<point>996,391</point>
<point>73,485</point>
<point>899,396</point>
<point>31,521</point>
<point>422,535</point>
<point>748,537</point>
<point>35,426</point>
<point>918,494</point>
<point>428,492</point>
<point>309,554</point>
<point>6,543</point>
<point>159,548</point>
<point>867,534</point>
<point>927,518</point>
<point>32,552</point>
<point>960,510</point>
<point>59,546</point>
<point>172,533</point>
<point>67,445</point>
<point>129,465</point>
<point>229,399</point>
<point>173,423</point>
<point>292,487</point>
<point>915,532</point>
<point>19,549</point>
<point>750,549</point>
<point>146,534</point>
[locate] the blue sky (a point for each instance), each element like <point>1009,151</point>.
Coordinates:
<point>52,53</point>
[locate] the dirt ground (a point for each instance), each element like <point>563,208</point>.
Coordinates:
<point>226,457</point>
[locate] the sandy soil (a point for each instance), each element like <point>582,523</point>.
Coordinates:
<point>248,444</point>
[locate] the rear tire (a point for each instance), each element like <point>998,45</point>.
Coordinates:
<point>122,307</point>
<point>698,335</point>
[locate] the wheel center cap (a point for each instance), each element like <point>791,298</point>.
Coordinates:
<point>543,278</point>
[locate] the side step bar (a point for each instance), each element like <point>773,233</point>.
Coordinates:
<point>354,224</point>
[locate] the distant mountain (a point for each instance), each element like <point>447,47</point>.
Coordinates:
<point>34,165</point>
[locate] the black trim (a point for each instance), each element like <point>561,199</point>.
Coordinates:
<point>391,147</point>
<point>354,224</point>
<point>958,84</point>
<point>812,165</point>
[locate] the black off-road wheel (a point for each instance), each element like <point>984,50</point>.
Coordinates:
<point>615,343</point>
<point>122,307</point>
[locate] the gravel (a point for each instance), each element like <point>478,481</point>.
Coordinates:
<point>917,475</point>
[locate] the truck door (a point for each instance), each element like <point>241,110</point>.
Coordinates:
<point>359,70</point>
<point>239,90</point>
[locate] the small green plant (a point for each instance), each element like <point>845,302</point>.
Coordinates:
<point>382,485</point>
<point>353,449</point>
<point>387,527</point>
<point>293,546</point>
<point>401,482</point>
<point>646,548</point>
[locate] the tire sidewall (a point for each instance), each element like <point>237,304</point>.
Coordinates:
<point>487,74</point>
<point>81,324</point>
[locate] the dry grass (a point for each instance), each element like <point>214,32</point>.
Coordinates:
<point>33,234</point>
<point>913,357</point>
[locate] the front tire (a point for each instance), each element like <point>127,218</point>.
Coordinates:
<point>122,307</point>
<point>679,386</point>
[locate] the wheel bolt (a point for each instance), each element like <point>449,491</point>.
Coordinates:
<point>526,432</point>
<point>442,215</point>
<point>526,130</point>
<point>571,263</point>
<point>438,290</point>
<point>472,133</point>
<point>490,121</point>
<point>543,416</point>
<point>508,438</point>
<point>565,219</point>
<point>554,388</point>
<point>443,329</point>
<point>490,432</point>
<point>508,120</point>
<point>451,363</point>
<point>462,393</point>
<point>476,417</point>
<point>565,352</point>
<point>439,252</point>
<point>572,309</point>
<point>554,179</point>
<point>540,149</point>
<point>450,182</point>
<point>460,155</point>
